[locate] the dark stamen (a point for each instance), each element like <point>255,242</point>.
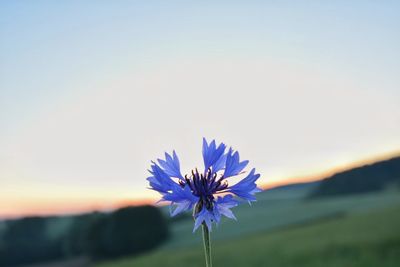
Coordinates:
<point>204,185</point>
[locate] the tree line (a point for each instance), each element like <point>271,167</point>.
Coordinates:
<point>367,178</point>
<point>129,230</point>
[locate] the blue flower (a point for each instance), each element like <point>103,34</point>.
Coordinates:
<point>207,193</point>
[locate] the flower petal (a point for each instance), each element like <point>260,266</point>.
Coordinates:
<point>181,206</point>
<point>233,165</point>
<point>212,155</point>
<point>160,181</point>
<point>178,194</point>
<point>171,165</point>
<point>220,164</point>
<point>224,204</point>
<point>247,187</point>
<point>205,216</point>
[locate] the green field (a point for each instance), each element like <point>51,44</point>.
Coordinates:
<point>285,229</point>
<point>283,208</point>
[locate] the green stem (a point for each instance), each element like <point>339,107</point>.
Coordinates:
<point>207,245</point>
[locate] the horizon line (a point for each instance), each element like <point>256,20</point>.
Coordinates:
<point>319,176</point>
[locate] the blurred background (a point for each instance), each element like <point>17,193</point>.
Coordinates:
<point>92,91</point>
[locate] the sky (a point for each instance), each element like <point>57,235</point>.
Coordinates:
<point>92,91</point>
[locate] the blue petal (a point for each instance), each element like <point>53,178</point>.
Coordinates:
<point>233,166</point>
<point>178,194</point>
<point>212,154</point>
<point>160,181</point>
<point>171,165</point>
<point>247,187</point>
<point>220,164</point>
<point>223,205</point>
<point>182,206</point>
<point>183,198</point>
<point>206,216</point>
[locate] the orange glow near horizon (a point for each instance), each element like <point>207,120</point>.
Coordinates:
<point>52,205</point>
<point>46,207</point>
<point>319,175</point>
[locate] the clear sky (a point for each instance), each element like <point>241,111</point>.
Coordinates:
<point>91,91</point>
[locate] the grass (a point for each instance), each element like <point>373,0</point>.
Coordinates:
<point>277,209</point>
<point>370,238</point>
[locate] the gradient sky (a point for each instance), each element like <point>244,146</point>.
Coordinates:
<point>91,91</point>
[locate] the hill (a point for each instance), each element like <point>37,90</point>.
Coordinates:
<point>368,239</point>
<point>367,178</point>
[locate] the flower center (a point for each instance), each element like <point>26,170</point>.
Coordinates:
<point>204,186</point>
